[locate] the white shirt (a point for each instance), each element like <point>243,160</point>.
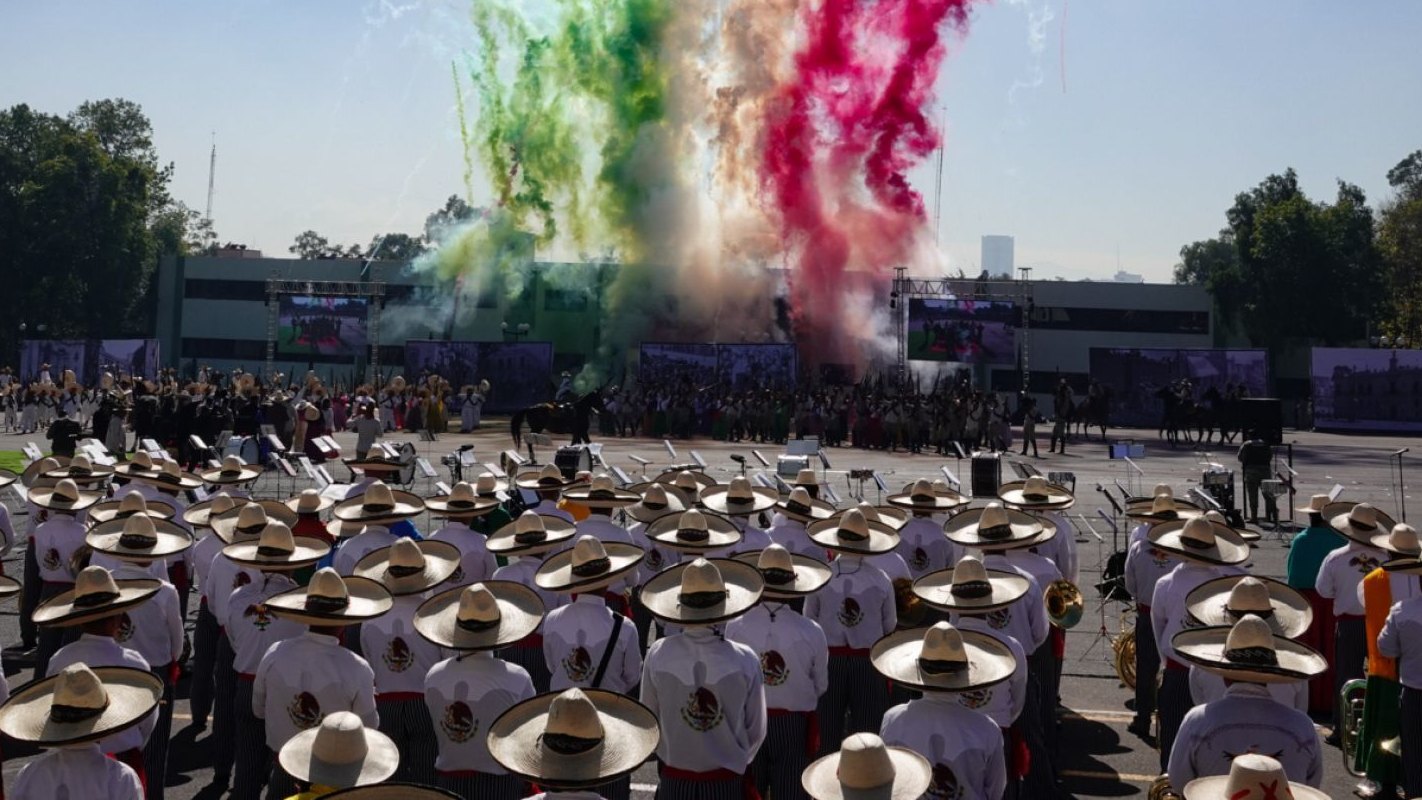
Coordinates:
<point>521,570</point>
<point>1003,702</point>
<point>549,508</point>
<point>1167,606</point>
<point>399,655</point>
<point>1402,587</point>
<point>657,557</point>
<point>574,639</point>
<point>1061,549</point>
<point>302,679</point>
<point>709,694</point>
<point>964,747</point>
<point>153,628</point>
<point>204,552</point>
<point>359,546</point>
<point>1247,720</point>
<point>1207,687</point>
<point>226,577</point>
<point>1041,568</point>
<point>752,537</point>
<point>1145,566</point>
<point>1401,638</point>
<point>856,608</point>
<point>465,695</point>
<point>1140,532</point>
<point>1342,573</point>
<point>790,534</point>
<point>102,651</point>
<point>1025,620</point>
<point>476,563</point>
<point>891,564</point>
<point>793,653</point>
<point>251,628</point>
<point>7,531</point>
<point>56,539</point>
<point>923,546</point>
<point>82,772</point>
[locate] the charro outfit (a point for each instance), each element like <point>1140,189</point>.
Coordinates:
<point>855,609</point>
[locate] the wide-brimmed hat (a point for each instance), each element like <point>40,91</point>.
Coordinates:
<point>330,601</point>
<point>787,575</point>
<point>1225,601</point>
<point>1036,493</point>
<point>1361,522</point>
<point>340,752</point>
<point>378,505</point>
<point>233,470</point>
<point>374,465</point>
<point>1316,504</point>
<point>577,738</point>
<point>690,483</point>
<point>9,587</point>
<point>702,592</point>
<point>852,532</point>
<point>806,477</point>
<point>200,514</point>
<point>1245,534</point>
<point>1400,540</point>
<point>340,531</point>
<point>82,471</point>
<point>657,501</point>
<point>249,518</point>
<point>95,595</point>
<point>34,473</point>
<point>589,564</point>
<point>309,501</point>
<point>1161,508</point>
<point>694,531</point>
<point>530,534</point>
<point>63,496</point>
<point>480,616</point>
<point>943,658</point>
<point>970,588</point>
<point>130,504</point>
<point>547,479</point>
<point>487,485</point>
<point>600,493</point>
<point>79,704</point>
<point>7,478</point>
<point>462,502</point>
<point>895,518</point>
<point>139,538</point>
<point>799,506</point>
<point>276,550</point>
<point>1252,776</point>
<point>921,496</point>
<point>392,791</point>
<point>1199,539</point>
<point>995,527</point>
<point>739,498</point>
<point>410,567</point>
<point>165,474</point>
<point>866,769</point>
<point>1248,651</point>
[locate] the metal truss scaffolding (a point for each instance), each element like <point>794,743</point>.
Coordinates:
<point>906,287</point>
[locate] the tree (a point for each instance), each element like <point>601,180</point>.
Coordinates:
<point>455,212</point>
<point>396,247</point>
<point>1400,244</point>
<point>310,245</point>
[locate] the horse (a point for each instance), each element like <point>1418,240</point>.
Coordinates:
<point>574,418</point>
<point>1094,412</point>
<point>1171,416</point>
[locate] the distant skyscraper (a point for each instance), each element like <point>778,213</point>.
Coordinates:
<point>997,255</point>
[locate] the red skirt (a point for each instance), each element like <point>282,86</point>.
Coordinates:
<point>1319,636</point>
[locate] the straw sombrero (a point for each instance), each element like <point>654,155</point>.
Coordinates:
<point>340,531</point>
<point>530,534</point>
<point>33,474</point>
<point>942,658</point>
<point>739,498</point>
<point>480,616</point>
<point>249,518</point>
<point>600,493</point>
<point>657,501</point>
<point>166,475</point>
<point>694,531</point>
<point>994,528</point>
<point>200,514</point>
<point>462,502</point>
<point>547,479</point>
<point>391,791</point>
<point>1316,504</point>
<point>409,567</point>
<point>7,478</point>
<point>79,705</point>
<point>865,769</point>
<point>233,470</point>
<point>1224,601</point>
<point>1198,539</point>
<point>921,496</point>
<point>340,752</point>
<point>800,507</point>
<point>895,518</point>
<point>309,501</point>
<point>589,564</point>
<point>1161,508</point>
<point>689,483</point>
<point>276,550</point>
<point>787,575</point>
<point>1252,776</point>
<point>82,471</point>
<point>850,532</point>
<point>378,505</point>
<point>9,587</point>
<point>95,595</point>
<point>330,601</point>
<point>1248,651</point>
<point>578,738</point>
<point>703,591</point>
<point>487,485</point>
<point>139,538</point>
<point>1400,541</point>
<point>970,588</point>
<point>1244,534</point>
<point>64,495</point>
<point>130,504</point>
<point>1035,493</point>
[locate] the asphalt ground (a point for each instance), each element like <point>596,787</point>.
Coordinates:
<point>1099,757</point>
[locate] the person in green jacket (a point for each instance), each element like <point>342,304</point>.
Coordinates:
<point>1306,554</point>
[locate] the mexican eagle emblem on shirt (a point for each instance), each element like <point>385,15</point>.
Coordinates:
<point>655,559</point>
<point>919,559</point>
<point>51,559</point>
<point>975,699</point>
<point>125,629</point>
<point>850,614</point>
<point>702,711</point>
<point>458,722</point>
<point>305,711</point>
<point>945,784</point>
<point>457,579</point>
<point>397,655</point>
<point>578,665</point>
<point>1364,563</point>
<point>773,669</point>
<point>1000,618</point>
<point>257,612</point>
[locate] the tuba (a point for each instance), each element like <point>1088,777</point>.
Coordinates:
<point>912,613</point>
<point>1160,789</point>
<point>1351,699</point>
<point>1123,645</point>
<point>1064,603</point>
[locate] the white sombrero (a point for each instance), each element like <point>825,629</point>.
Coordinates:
<point>340,752</point>
<point>130,504</point>
<point>233,470</point>
<point>895,518</point>
<point>79,705</point>
<point>1400,541</point>
<point>547,479</point>
<point>970,588</point>
<point>530,534</point>
<point>1036,493</point>
<point>1361,522</point>
<point>330,601</point>
<point>1251,777</point>
<point>480,616</point>
<point>1199,539</point>
<point>600,493</point>
<point>96,595</point>
<point>249,518</point>
<point>378,505</point>
<point>200,514</point>
<point>865,769</point>
<point>578,738</point>
<point>787,575</point>
<point>462,502</point>
<point>1248,651</point>
<point>81,470</point>
<point>922,496</point>
<point>139,538</point>
<point>588,565</point>
<point>657,501</point>
<point>703,591</point>
<point>943,658</point>
<point>1225,600</point>
<point>409,567</point>
<point>1161,508</point>
<point>310,501</point>
<point>694,531</point>
<point>63,496</point>
<point>165,475</point>
<point>801,507</point>
<point>276,550</point>
<point>689,483</point>
<point>739,498</point>
<point>994,528</point>
<point>34,474</point>
<point>851,532</point>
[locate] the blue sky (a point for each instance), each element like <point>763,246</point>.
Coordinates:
<point>338,115</point>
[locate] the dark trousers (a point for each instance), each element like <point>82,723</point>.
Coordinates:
<point>205,636</point>
<point>1147,665</point>
<point>1041,778</point>
<point>1042,667</point>
<point>29,598</point>
<point>155,752</point>
<point>480,785</point>
<point>279,784</point>
<point>224,709</point>
<point>52,638</point>
<point>855,701</point>
<point>782,757</point>
<point>1410,711</point>
<point>407,722</point>
<point>1350,651</point>
<point>1173,703</point>
<point>675,788</point>
<point>1253,476</point>
<point>252,760</point>
<point>529,655</point>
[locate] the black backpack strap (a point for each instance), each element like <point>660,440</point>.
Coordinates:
<point>617,620</point>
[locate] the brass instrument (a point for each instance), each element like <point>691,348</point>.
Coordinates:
<point>1160,789</point>
<point>1351,699</point>
<point>79,559</point>
<point>1123,645</point>
<point>911,610</point>
<point>1064,603</point>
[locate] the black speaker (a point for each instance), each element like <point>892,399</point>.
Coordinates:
<point>987,475</point>
<point>1263,417</point>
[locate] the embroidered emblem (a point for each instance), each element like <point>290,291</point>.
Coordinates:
<point>458,722</point>
<point>397,655</point>
<point>305,711</point>
<point>51,559</point>
<point>125,630</point>
<point>944,785</point>
<point>919,560</point>
<point>976,699</point>
<point>578,665</point>
<point>773,669</point>
<point>850,614</point>
<point>702,711</point>
<point>1365,564</point>
<point>258,613</point>
<point>1000,618</point>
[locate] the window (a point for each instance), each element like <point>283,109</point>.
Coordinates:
<point>564,300</point>
<point>1119,320</point>
<point>214,289</point>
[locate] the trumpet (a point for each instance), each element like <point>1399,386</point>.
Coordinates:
<point>1064,603</point>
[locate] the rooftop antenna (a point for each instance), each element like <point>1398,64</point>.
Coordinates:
<point>211,177</point>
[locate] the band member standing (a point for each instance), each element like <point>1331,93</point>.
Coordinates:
<point>1339,577</point>
<point>459,508</point>
<point>525,541</point>
<point>1307,550</point>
